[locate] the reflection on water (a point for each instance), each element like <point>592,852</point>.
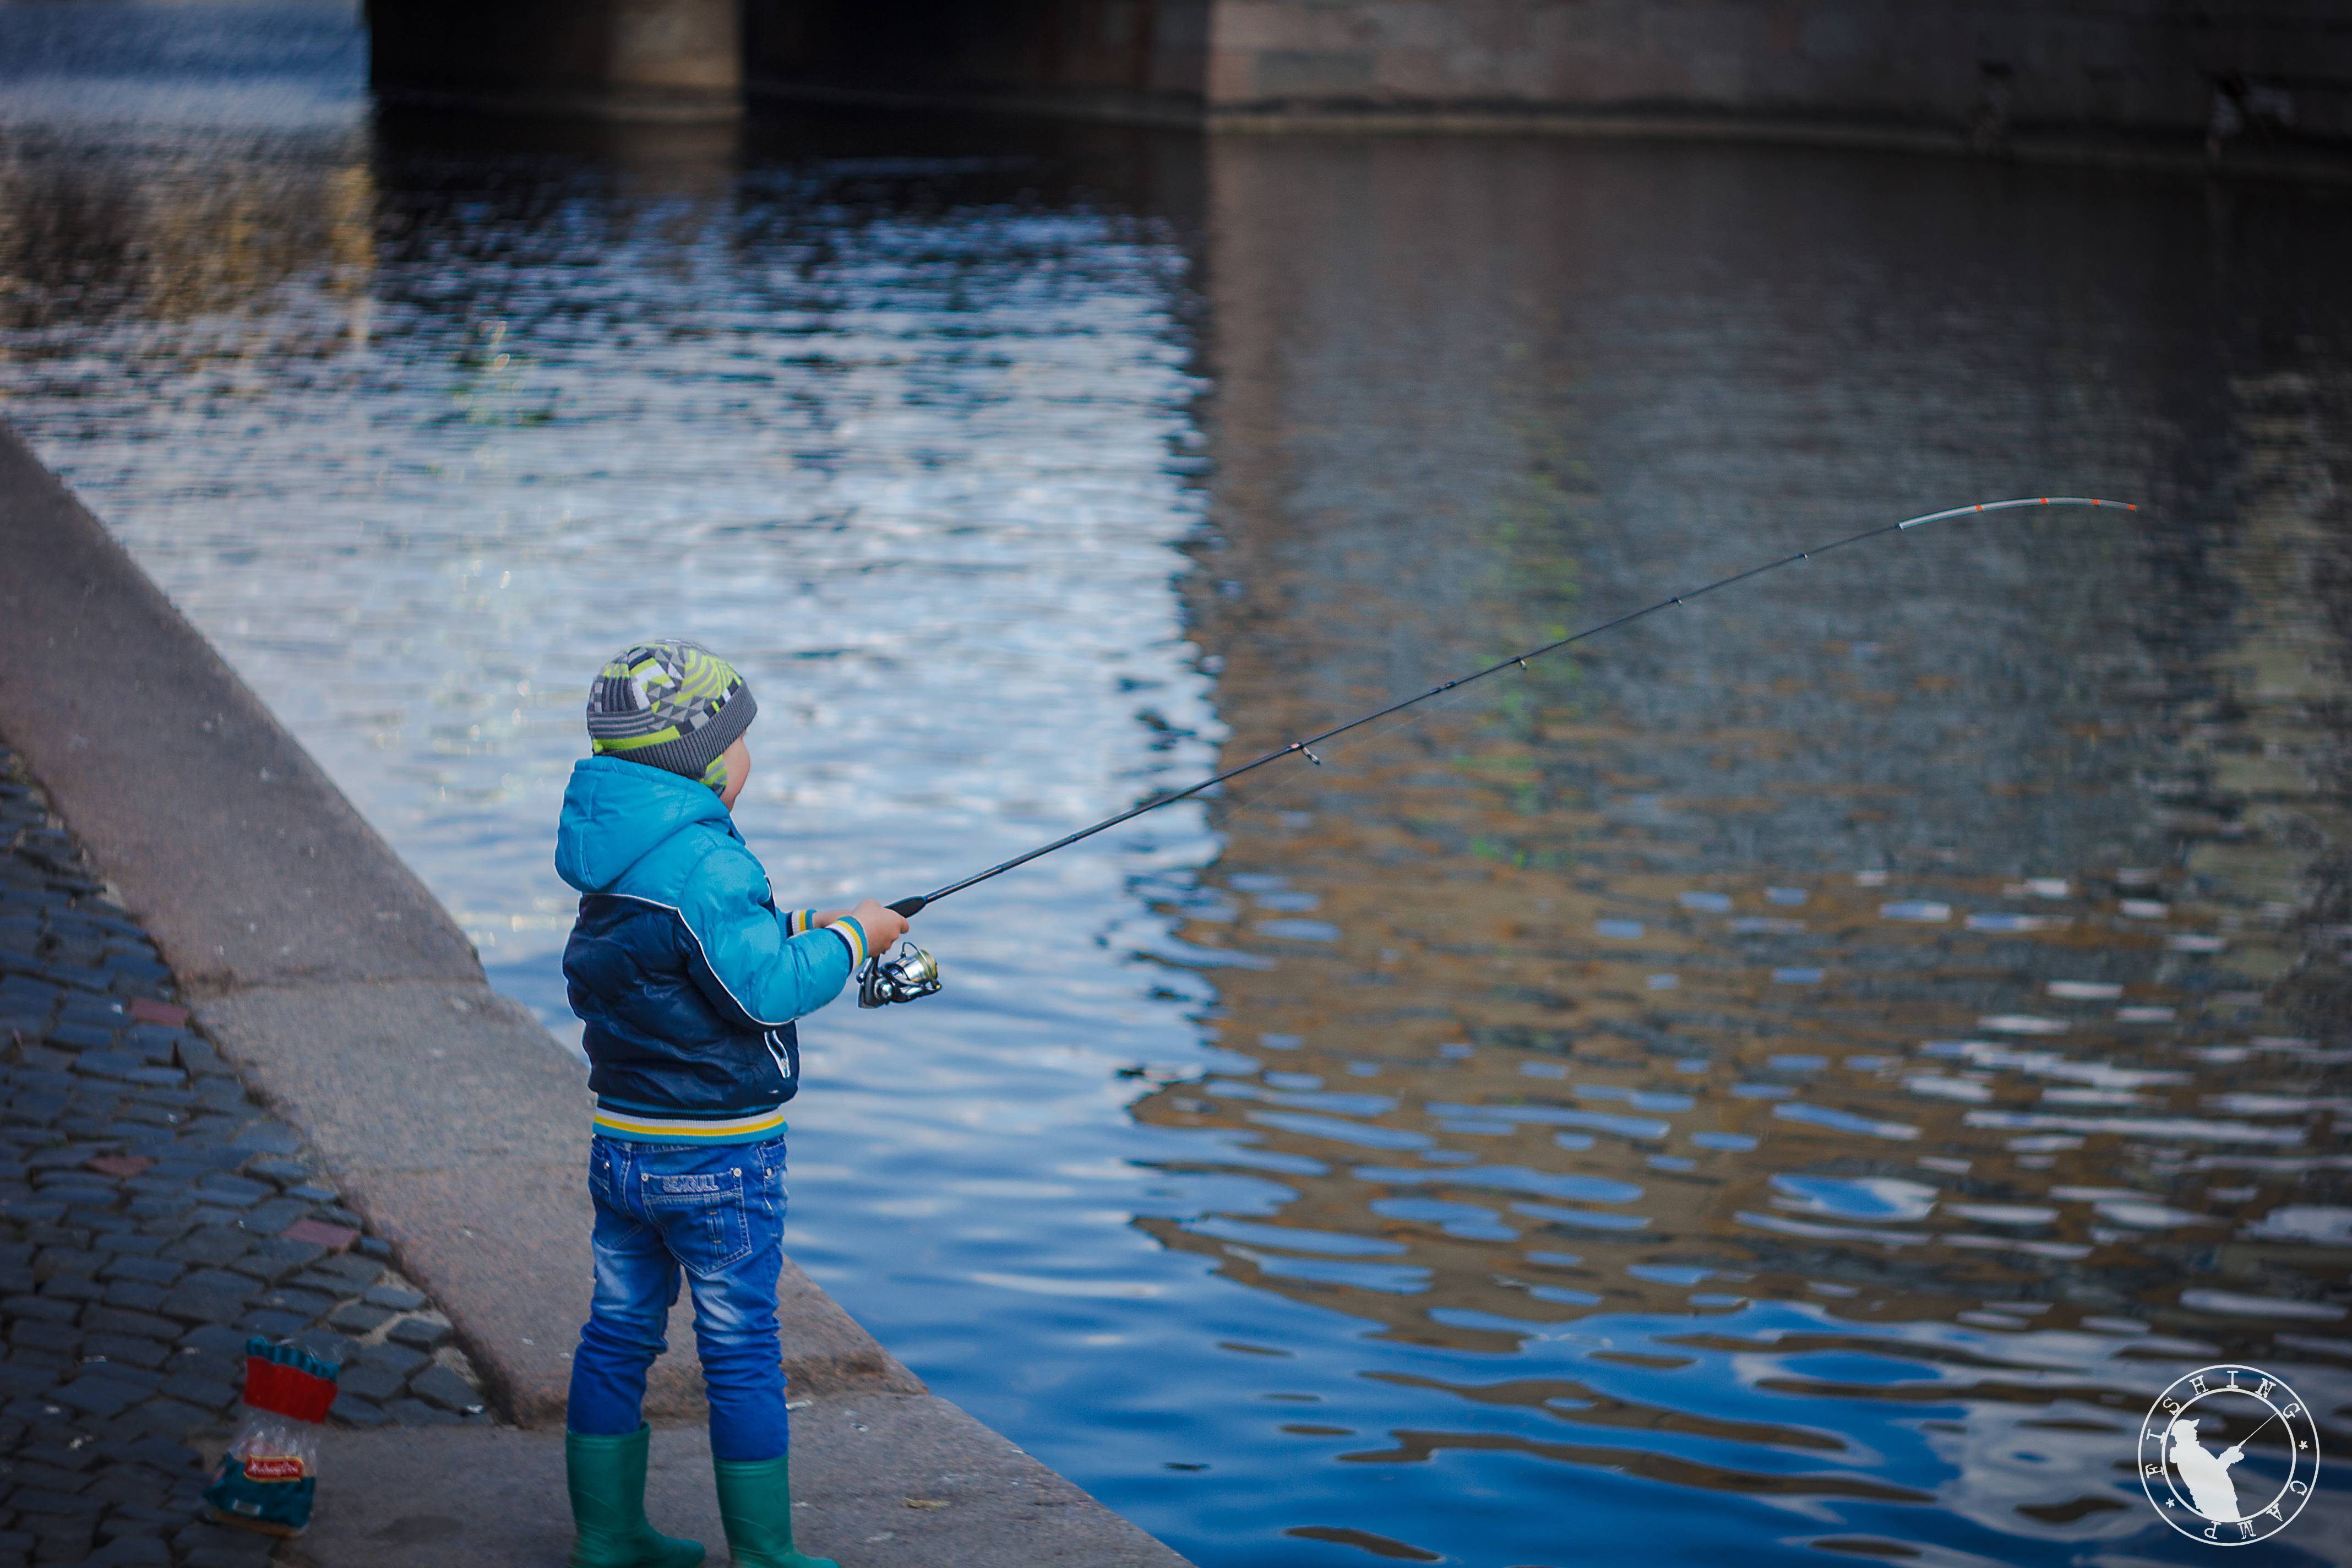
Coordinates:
<point>1797,1075</point>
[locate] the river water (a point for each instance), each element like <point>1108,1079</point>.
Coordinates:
<point>1795,1077</point>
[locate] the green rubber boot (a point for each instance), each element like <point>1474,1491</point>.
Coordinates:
<point>607,1477</point>
<point>755,1502</point>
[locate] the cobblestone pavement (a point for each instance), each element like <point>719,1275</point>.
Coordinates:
<point>151,1216</point>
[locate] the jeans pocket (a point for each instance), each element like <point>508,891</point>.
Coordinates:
<point>701,1218</point>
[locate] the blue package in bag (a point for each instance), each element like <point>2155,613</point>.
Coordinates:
<point>269,1476</point>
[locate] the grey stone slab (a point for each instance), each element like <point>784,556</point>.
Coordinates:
<point>52,1262</point>
<point>274,1214</point>
<point>418,1333</point>
<point>104,1319</point>
<point>156,1042</point>
<point>185,1305</point>
<point>236,1191</point>
<point>97,1395</point>
<point>309,1305</point>
<point>108,1064</point>
<point>373,1382</point>
<point>165,1417</point>
<point>135,1296</point>
<point>197,1058</point>
<point>170,1457</point>
<point>356,1273</point>
<point>159,1204</point>
<point>123,1350</point>
<point>394,1298</point>
<point>41,1308</point>
<point>60,1338</point>
<point>220,1282</point>
<point>273,1325</point>
<point>147,1271</point>
<point>206,1393</point>
<point>62,1456</point>
<point>217,1338</point>
<point>398,1360</point>
<point>268,1138</point>
<point>438,1385</point>
<point>31,1471</point>
<point>41,1500</point>
<point>358,1318</point>
<point>277,1257</point>
<point>139,1378</point>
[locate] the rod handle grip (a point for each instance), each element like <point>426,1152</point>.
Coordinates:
<point>910,908</point>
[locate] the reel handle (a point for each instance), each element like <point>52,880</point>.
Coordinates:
<point>910,908</point>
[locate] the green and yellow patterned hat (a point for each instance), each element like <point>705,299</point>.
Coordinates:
<point>672,705</point>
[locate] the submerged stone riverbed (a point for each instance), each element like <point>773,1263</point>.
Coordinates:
<point>1794,1076</point>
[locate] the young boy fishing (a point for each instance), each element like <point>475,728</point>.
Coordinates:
<point>688,980</point>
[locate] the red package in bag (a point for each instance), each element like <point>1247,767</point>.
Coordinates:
<point>269,1479</point>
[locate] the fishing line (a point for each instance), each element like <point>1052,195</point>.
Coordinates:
<point>1306,748</point>
<point>1356,758</point>
<point>914,974</point>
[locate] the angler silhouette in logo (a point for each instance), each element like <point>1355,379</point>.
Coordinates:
<point>2207,1476</point>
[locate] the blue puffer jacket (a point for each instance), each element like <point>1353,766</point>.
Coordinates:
<point>687,976</point>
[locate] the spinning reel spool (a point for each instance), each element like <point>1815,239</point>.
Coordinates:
<point>909,975</point>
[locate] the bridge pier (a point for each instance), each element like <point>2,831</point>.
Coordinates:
<point>616,59</point>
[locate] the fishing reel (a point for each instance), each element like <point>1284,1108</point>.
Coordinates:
<point>908,976</point>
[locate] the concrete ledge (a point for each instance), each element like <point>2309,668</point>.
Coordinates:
<point>241,858</point>
<point>1111,106</point>
<point>2327,162</point>
<point>620,105</point>
<point>860,1464</point>
<point>354,1007</point>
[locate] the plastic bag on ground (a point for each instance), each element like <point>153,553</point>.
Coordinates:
<point>269,1479</point>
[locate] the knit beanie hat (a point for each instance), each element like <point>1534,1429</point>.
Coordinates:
<point>672,705</point>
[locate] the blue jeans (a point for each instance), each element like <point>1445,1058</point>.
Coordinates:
<point>717,1212</point>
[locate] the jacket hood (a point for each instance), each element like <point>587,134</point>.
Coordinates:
<point>616,812</point>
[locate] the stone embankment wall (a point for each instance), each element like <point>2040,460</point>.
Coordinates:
<point>2122,65</point>
<point>1972,70</point>
<point>1962,73</point>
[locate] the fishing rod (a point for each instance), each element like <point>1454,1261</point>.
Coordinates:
<point>914,973</point>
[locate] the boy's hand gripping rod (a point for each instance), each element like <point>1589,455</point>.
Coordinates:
<point>914,973</point>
